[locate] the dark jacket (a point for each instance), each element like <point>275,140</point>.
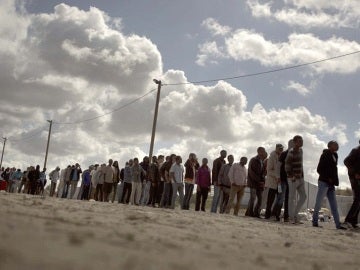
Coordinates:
<point>282,158</point>
<point>189,172</point>
<point>327,168</point>
<point>352,162</point>
<point>256,173</point>
<point>217,164</point>
<point>154,174</point>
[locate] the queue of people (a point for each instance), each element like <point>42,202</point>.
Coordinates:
<point>160,182</point>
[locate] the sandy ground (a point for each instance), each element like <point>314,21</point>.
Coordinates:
<point>66,234</point>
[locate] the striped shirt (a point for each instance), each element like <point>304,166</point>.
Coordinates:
<point>294,164</point>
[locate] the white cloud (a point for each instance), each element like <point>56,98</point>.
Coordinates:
<point>215,28</point>
<point>206,50</point>
<point>310,13</point>
<point>74,66</point>
<point>297,87</point>
<point>244,44</point>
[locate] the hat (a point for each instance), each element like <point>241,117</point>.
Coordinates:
<point>279,145</point>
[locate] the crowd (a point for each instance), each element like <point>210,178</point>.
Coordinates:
<point>158,183</point>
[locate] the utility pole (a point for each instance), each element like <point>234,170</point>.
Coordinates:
<point>48,142</point>
<point>3,150</point>
<point>155,119</point>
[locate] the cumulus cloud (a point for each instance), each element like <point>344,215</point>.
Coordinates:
<point>71,65</point>
<point>245,44</point>
<point>215,28</point>
<point>297,87</point>
<point>309,13</point>
<point>209,52</point>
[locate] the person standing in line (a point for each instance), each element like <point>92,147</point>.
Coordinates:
<point>283,196</point>
<point>191,167</point>
<point>352,163</point>
<point>54,177</point>
<point>125,196</point>
<point>225,184</point>
<point>137,172</point>
<point>146,184</point>
<point>86,183</point>
<point>94,181</point>
<point>116,180</point>
<point>108,180</point>
<point>23,181</point>
<point>217,164</point>
<point>256,182</point>
<point>328,179</point>
<point>75,177</point>
<point>167,194</point>
<point>154,178</point>
<point>237,177</point>
<point>99,178</point>
<point>17,177</point>
<point>295,175</point>
<point>203,182</point>
<point>272,181</point>
<point>177,179</point>
<point>161,182</point>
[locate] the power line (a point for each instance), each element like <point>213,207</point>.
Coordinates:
<point>110,112</point>
<point>263,72</point>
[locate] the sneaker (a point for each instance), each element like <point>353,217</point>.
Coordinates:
<point>316,225</point>
<point>341,228</point>
<point>347,225</point>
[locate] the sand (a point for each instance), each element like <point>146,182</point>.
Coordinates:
<point>56,233</point>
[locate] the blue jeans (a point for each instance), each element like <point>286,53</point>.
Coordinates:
<point>324,189</point>
<point>189,188</point>
<point>216,199</point>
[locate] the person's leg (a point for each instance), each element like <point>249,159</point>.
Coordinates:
<point>231,199</point>
<point>138,193</point>
<point>302,197</point>
<point>257,209</point>
<point>181,194</point>
<point>204,196</point>
<point>160,192</point>
<point>191,190</point>
<point>187,188</point>
<point>250,208</point>
<point>269,202</point>
<point>198,200</point>
<point>238,196</point>
<point>173,198</point>
<point>331,195</point>
<point>225,199</point>
<point>292,197</point>
<point>132,196</point>
<point>285,189</point>
<point>215,201</point>
<point>115,186</point>
<point>352,216</point>
<point>321,193</point>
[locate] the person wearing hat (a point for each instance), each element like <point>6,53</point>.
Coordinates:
<point>54,177</point>
<point>272,182</point>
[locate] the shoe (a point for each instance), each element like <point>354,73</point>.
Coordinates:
<point>316,225</point>
<point>341,228</point>
<point>348,225</point>
<point>297,221</point>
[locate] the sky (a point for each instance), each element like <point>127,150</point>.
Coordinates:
<point>69,61</point>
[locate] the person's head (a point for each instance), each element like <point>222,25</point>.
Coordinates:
<point>192,157</point>
<point>110,162</point>
<point>131,162</point>
<point>116,164</point>
<point>154,159</point>
<point>18,170</point>
<point>136,161</point>
<point>57,168</point>
<point>38,167</point>
<point>243,161</point>
<point>279,148</point>
<point>172,158</point>
<point>178,160</point>
<point>160,158</point>
<point>333,146</point>
<point>230,159</point>
<point>146,159</point>
<point>204,162</point>
<point>223,154</point>
<point>261,152</point>
<point>290,143</point>
<point>167,158</point>
<point>77,165</point>
<point>298,141</point>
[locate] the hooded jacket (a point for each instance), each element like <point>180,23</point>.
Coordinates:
<point>327,168</point>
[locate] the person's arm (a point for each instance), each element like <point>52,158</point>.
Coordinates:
<point>231,174</point>
<point>255,170</point>
<point>221,175</point>
<point>288,165</point>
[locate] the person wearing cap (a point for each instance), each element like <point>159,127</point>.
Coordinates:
<point>54,177</point>
<point>271,181</point>
<point>328,179</point>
